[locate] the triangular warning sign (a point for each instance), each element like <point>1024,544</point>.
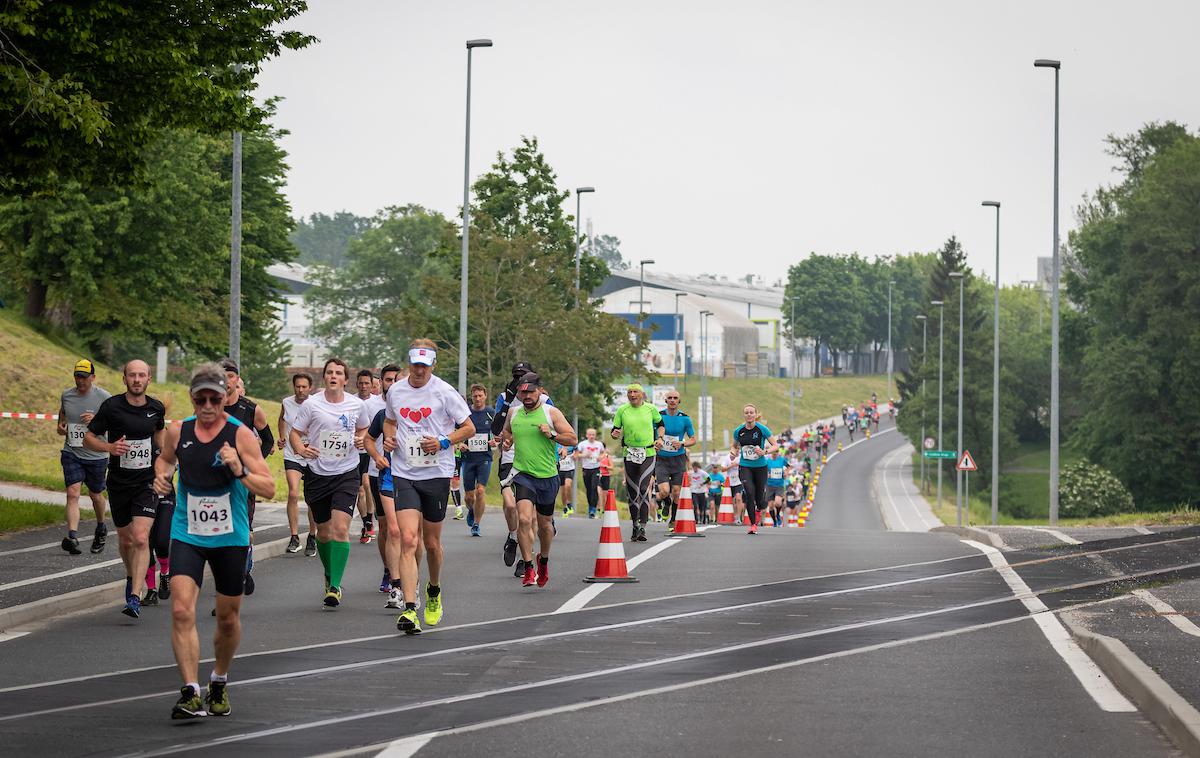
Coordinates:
<point>967,463</point>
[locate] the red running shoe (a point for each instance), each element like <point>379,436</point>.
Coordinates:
<point>531,576</point>
<point>543,575</point>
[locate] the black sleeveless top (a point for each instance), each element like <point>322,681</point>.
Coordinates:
<point>200,465</point>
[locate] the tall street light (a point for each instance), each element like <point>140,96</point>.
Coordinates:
<point>642,294</point>
<point>235,248</point>
<point>958,442</point>
<point>466,228</point>
<point>1057,66</point>
<point>575,380</point>
<point>924,339</point>
<point>678,358</point>
<point>996,375</point>
<point>792,347</point>
<point>704,432</point>
<point>889,341</point>
<point>941,306</point>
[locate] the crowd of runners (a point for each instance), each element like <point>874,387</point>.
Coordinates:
<point>398,451</point>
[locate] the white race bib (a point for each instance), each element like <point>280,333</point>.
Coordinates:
<point>635,454</point>
<point>138,454</point>
<point>417,456</point>
<point>566,464</point>
<point>209,515</point>
<point>336,444</point>
<point>477,443</point>
<point>75,433</point>
<point>670,442</point>
<point>751,454</point>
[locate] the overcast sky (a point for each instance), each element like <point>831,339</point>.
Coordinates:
<point>739,137</point>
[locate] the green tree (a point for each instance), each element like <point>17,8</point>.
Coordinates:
<point>608,249</point>
<point>1134,276</point>
<point>322,239</point>
<point>87,87</point>
<point>354,306</point>
<point>826,291</point>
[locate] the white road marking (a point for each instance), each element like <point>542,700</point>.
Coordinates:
<point>337,720</point>
<point>43,546</point>
<point>9,636</point>
<point>900,523</point>
<point>1179,621</point>
<point>1141,529</point>
<point>1068,539</point>
<point>407,747</point>
<point>1094,682</point>
<point>589,593</point>
<point>89,567</point>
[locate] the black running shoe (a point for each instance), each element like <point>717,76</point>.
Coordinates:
<point>310,546</point>
<point>189,705</point>
<point>71,545</point>
<point>641,534</point>
<point>151,597</point>
<point>164,586</point>
<point>510,551</point>
<point>294,544</point>
<point>248,587</point>
<point>216,701</point>
<point>520,570</point>
<point>99,538</point>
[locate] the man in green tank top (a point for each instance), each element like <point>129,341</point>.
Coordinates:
<point>535,429</point>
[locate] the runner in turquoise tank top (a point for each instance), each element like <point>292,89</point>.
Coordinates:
<point>536,429</point>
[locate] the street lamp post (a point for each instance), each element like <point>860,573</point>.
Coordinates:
<point>941,306</point>
<point>924,338</point>
<point>642,294</point>
<point>678,361</point>
<point>466,228</point>
<point>996,375</point>
<point>792,348</point>
<point>704,385</point>
<point>958,442</point>
<point>1057,66</point>
<point>575,380</point>
<point>235,248</point>
<point>889,340</point>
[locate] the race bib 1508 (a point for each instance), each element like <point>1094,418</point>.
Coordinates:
<point>209,515</point>
<point>137,456</point>
<point>477,443</point>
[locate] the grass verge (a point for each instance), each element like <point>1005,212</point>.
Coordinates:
<point>23,514</point>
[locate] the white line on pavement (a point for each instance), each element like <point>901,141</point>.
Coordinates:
<point>1094,682</point>
<point>43,546</point>
<point>9,636</point>
<point>407,747</point>
<point>587,594</point>
<point>1060,536</point>
<point>1167,611</point>
<point>1141,529</point>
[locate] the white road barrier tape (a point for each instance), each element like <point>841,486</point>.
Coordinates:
<point>54,416</point>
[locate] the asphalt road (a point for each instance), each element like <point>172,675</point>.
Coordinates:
<point>838,639</point>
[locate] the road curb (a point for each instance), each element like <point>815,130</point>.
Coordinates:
<point>971,532</point>
<point>1162,704</point>
<point>101,595</point>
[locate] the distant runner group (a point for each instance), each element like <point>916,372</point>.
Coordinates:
<point>395,451</point>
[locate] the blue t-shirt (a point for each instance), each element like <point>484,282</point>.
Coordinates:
<point>716,482</point>
<point>678,426</point>
<point>482,420</point>
<point>375,431</point>
<point>755,436</point>
<point>776,468</point>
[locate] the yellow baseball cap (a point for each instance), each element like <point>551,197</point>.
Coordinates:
<point>84,367</point>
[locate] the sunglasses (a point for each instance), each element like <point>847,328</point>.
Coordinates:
<point>216,401</point>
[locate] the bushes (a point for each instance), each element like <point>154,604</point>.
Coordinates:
<point>1085,489</point>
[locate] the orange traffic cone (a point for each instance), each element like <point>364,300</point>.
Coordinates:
<point>610,561</point>
<point>801,517</point>
<point>766,519</point>
<point>793,519</point>
<point>685,516</point>
<point>725,512</point>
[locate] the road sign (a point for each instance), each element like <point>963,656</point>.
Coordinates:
<point>967,463</point>
<point>947,454</point>
<point>930,442</point>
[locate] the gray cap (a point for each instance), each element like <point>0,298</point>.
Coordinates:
<point>207,376</point>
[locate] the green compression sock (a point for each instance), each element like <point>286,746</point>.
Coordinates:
<point>339,556</point>
<point>323,554</point>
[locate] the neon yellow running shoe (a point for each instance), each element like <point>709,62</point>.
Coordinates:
<point>433,607</point>
<point>407,622</point>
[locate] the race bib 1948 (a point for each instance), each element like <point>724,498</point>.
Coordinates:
<point>209,515</point>
<point>138,454</point>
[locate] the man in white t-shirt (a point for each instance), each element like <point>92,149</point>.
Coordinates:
<point>334,424</point>
<point>590,451</point>
<point>294,464</point>
<point>420,417</point>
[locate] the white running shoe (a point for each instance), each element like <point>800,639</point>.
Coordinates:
<point>395,599</point>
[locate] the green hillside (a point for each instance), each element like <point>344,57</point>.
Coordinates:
<point>33,375</point>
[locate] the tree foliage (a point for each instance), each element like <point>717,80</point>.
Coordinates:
<point>87,87</point>
<point>1135,276</point>
<point>322,239</point>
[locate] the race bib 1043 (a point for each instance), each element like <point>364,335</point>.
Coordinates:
<point>209,515</point>
<point>336,444</point>
<point>138,454</point>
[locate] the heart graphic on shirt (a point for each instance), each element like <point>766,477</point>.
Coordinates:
<point>425,412</point>
<point>404,413</point>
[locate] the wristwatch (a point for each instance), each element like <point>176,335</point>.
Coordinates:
<point>553,433</point>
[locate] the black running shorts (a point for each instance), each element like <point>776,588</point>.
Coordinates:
<point>326,494</point>
<point>228,565</point>
<point>428,496</point>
